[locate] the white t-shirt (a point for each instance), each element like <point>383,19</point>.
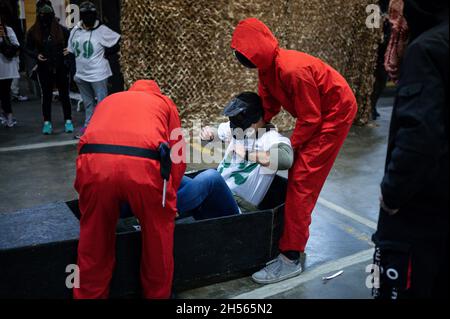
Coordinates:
<point>9,68</point>
<point>248,180</point>
<point>88,46</point>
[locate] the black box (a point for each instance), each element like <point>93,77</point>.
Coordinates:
<point>36,246</point>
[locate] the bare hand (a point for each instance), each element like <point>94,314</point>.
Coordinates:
<point>41,58</point>
<point>66,52</point>
<point>207,133</point>
<point>2,32</point>
<point>239,149</point>
<point>390,211</point>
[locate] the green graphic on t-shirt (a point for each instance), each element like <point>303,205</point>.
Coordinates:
<point>76,48</point>
<point>241,174</point>
<point>88,49</point>
<point>223,165</point>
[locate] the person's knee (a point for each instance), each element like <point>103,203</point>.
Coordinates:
<point>209,180</point>
<point>213,176</point>
<point>211,173</point>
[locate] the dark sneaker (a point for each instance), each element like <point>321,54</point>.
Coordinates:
<point>80,133</point>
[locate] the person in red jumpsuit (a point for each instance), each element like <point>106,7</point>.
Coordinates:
<point>324,107</point>
<point>123,157</point>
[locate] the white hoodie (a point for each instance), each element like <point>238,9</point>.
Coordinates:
<point>88,46</point>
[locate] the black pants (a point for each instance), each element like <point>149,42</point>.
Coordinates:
<point>5,95</point>
<point>47,79</point>
<point>415,269</point>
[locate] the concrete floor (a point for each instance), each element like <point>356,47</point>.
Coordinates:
<point>37,169</point>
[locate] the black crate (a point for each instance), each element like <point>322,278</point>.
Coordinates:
<point>37,244</point>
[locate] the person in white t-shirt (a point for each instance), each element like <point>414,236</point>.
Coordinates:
<point>88,41</point>
<point>255,153</point>
<point>8,72</point>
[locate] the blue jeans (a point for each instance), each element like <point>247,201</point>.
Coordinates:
<point>206,196</point>
<point>91,93</point>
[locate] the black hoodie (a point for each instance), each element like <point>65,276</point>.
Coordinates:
<point>423,15</point>
<point>416,179</point>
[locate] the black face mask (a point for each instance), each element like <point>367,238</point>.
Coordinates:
<point>46,19</point>
<point>244,61</point>
<point>89,19</point>
<point>241,121</point>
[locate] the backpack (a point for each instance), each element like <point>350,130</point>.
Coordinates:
<point>8,49</point>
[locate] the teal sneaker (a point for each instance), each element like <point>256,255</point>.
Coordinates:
<point>47,129</point>
<point>68,126</point>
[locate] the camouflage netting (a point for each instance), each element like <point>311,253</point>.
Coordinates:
<point>185,46</point>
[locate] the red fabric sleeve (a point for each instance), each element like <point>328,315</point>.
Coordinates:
<point>271,106</point>
<point>177,144</point>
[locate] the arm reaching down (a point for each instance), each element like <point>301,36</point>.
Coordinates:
<point>177,144</point>
<point>271,106</point>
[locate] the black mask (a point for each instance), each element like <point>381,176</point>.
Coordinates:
<point>241,121</point>
<point>46,19</point>
<point>89,19</point>
<point>244,61</point>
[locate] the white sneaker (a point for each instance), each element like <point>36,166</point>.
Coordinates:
<point>20,98</point>
<point>11,122</point>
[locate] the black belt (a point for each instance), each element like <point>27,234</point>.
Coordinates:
<point>162,154</point>
<point>120,150</point>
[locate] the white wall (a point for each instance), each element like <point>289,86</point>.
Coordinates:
<point>60,9</point>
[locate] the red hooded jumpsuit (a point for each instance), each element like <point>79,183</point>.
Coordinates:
<point>324,106</point>
<point>141,117</point>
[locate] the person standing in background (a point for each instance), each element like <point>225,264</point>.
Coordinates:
<point>19,17</point>
<point>47,43</point>
<point>411,240</point>
<point>9,46</point>
<point>88,41</point>
<point>380,74</point>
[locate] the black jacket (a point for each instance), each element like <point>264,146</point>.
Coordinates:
<point>416,179</point>
<point>51,50</point>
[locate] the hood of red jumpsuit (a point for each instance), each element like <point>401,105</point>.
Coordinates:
<point>256,42</point>
<point>145,86</point>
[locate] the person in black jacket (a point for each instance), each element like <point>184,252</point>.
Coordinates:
<point>47,43</point>
<point>381,77</point>
<point>412,237</point>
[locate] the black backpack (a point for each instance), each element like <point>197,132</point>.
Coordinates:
<point>8,49</point>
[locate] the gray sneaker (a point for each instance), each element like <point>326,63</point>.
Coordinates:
<point>277,270</point>
<point>10,121</point>
<point>3,119</point>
